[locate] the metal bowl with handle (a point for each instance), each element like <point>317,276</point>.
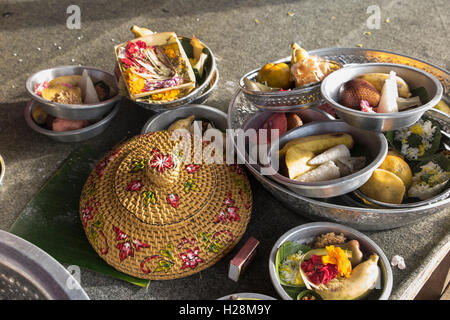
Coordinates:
<point>74,111</point>
<point>414,77</point>
<point>28,273</point>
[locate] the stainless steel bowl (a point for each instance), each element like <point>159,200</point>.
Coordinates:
<point>2,169</point>
<point>280,101</point>
<point>74,111</point>
<point>28,273</point>
<point>247,296</point>
<point>381,121</point>
<point>162,121</point>
<point>337,209</point>
<point>375,149</point>
<point>194,94</point>
<point>74,135</point>
<point>208,90</point>
<point>307,232</point>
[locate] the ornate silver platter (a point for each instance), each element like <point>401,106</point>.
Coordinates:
<point>343,209</point>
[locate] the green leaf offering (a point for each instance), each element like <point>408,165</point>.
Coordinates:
<point>286,249</point>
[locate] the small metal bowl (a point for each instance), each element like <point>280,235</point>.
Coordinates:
<point>2,170</point>
<point>162,121</point>
<point>255,122</point>
<point>211,67</point>
<point>307,232</point>
<point>375,145</point>
<point>74,111</point>
<point>381,121</point>
<point>247,296</point>
<point>74,135</point>
<point>281,101</point>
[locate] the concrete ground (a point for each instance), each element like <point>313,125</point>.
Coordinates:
<point>243,35</point>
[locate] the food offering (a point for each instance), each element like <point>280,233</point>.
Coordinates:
<point>416,169</point>
<point>288,84</point>
<point>156,68</point>
<point>319,158</point>
<point>302,70</point>
<point>380,93</point>
<point>331,267</point>
<point>77,90</point>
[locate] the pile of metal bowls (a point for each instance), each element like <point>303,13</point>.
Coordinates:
<point>325,202</point>
<point>99,114</point>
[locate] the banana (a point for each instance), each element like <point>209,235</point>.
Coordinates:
<point>140,32</point>
<point>377,80</point>
<point>298,53</point>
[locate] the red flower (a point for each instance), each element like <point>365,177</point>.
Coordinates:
<point>135,185</point>
<point>228,201</point>
<point>221,217</point>
<point>190,258</point>
<point>232,214</point>
<point>126,249</point>
<point>317,272</point>
<point>192,168</point>
<point>101,167</point>
<point>138,244</point>
<point>173,199</point>
<point>119,234</point>
<point>161,162</point>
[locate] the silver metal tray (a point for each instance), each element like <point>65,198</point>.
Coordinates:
<point>28,273</point>
<point>240,110</point>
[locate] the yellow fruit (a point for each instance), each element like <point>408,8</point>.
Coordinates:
<point>384,186</point>
<point>72,80</point>
<point>399,167</point>
<point>443,107</point>
<point>275,75</point>
<point>140,32</point>
<point>297,161</point>
<point>39,115</point>
<point>394,152</point>
<point>319,143</point>
<point>377,80</point>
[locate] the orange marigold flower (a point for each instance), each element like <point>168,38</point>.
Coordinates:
<point>168,95</point>
<point>135,82</point>
<point>338,257</point>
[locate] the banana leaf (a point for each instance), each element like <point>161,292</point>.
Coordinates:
<point>51,219</point>
<point>286,249</point>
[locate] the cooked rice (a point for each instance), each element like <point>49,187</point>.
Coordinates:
<point>290,269</point>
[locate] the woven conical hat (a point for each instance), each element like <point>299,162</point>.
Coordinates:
<point>152,216</point>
